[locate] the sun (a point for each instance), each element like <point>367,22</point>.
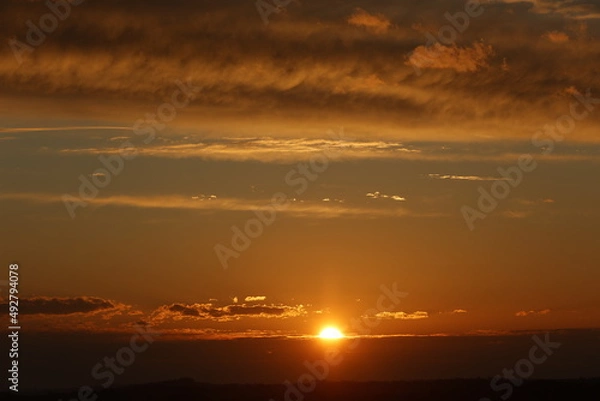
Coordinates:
<point>330,333</point>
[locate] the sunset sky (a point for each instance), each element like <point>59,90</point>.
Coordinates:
<point>141,140</point>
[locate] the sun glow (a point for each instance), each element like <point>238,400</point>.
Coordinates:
<point>330,333</point>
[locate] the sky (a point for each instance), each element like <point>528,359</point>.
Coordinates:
<point>235,170</point>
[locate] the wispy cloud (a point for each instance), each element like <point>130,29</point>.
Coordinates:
<point>65,128</point>
<point>464,177</point>
<point>516,214</point>
<point>556,37</point>
<point>524,208</point>
<point>533,313</point>
<point>379,195</point>
<point>346,67</point>
<point>535,202</point>
<point>566,8</point>
<point>459,59</point>
<point>401,315</point>
<point>286,150</point>
<point>255,298</point>
<point>375,23</point>
<point>263,149</point>
<point>294,208</point>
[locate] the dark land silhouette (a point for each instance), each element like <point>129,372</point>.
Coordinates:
<point>448,390</point>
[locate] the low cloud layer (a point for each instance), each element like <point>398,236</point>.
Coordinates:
<point>209,311</point>
<point>67,306</point>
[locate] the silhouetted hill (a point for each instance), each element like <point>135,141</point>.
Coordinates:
<point>448,390</point>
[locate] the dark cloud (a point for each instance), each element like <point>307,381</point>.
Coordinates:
<point>65,306</point>
<point>225,313</point>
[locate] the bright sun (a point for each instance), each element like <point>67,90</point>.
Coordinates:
<point>330,333</point>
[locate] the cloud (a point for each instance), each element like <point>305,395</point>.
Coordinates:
<point>464,177</point>
<point>379,195</point>
<point>527,207</point>
<point>286,150</point>
<point>263,149</point>
<point>375,23</point>
<point>516,214</point>
<point>188,333</point>
<point>68,306</point>
<point>459,59</point>
<point>64,128</point>
<point>114,64</point>
<point>459,311</point>
<point>401,315</point>
<point>556,37</point>
<point>209,311</point>
<point>203,197</point>
<point>532,313</point>
<point>579,10</point>
<point>294,208</point>
<point>535,202</point>
<point>77,314</point>
<point>254,298</point>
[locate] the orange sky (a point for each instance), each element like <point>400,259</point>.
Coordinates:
<point>137,140</point>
